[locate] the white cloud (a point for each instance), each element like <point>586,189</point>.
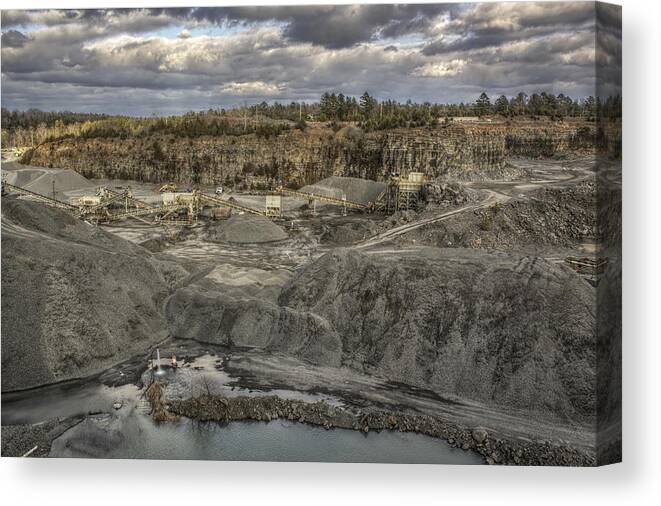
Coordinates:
<point>440,69</point>
<point>252,88</point>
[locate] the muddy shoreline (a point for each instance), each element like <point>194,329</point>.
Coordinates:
<point>214,408</point>
<point>245,396</point>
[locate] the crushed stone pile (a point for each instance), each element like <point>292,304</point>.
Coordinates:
<point>75,299</point>
<point>245,229</point>
<point>41,180</point>
<point>354,189</point>
<point>62,180</point>
<point>20,176</point>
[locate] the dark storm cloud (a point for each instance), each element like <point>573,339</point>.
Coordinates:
<point>332,26</point>
<point>14,38</point>
<point>492,25</point>
<point>121,60</point>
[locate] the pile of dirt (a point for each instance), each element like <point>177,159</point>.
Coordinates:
<point>245,229</point>
<point>348,233</point>
<point>550,217</point>
<point>354,189</point>
<point>492,327</point>
<point>75,299</point>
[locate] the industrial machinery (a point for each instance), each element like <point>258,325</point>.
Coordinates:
<point>312,198</point>
<point>168,187</point>
<point>404,193</point>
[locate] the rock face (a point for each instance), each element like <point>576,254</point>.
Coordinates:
<point>75,299</point>
<point>299,158</point>
<point>496,328</point>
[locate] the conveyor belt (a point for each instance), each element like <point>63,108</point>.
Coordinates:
<point>134,213</point>
<point>323,198</point>
<point>227,203</point>
<point>136,202</point>
<point>42,198</point>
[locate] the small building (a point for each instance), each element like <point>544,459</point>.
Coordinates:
<point>273,206</point>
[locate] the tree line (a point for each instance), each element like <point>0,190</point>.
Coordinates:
<point>31,127</point>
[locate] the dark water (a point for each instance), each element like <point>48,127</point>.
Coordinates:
<point>131,433</point>
<point>277,440</point>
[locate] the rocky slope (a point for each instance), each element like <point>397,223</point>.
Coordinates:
<point>298,158</point>
<point>75,299</point>
<point>491,327</point>
<point>218,315</point>
<point>514,331</point>
<point>562,217</point>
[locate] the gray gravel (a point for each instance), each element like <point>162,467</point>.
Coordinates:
<point>75,299</point>
<point>493,327</point>
<point>245,229</point>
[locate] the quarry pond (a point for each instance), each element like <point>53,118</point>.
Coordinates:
<point>101,421</point>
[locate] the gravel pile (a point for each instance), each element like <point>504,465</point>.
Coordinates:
<point>63,180</point>
<point>245,229</point>
<point>75,299</point>
<point>41,180</point>
<point>18,176</point>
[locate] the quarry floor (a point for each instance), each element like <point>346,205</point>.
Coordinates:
<point>261,270</point>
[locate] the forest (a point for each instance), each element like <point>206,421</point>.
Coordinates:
<point>32,127</point>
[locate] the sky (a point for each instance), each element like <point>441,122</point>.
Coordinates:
<point>168,61</point>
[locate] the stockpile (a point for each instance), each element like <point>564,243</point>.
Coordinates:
<point>41,180</point>
<point>20,175</point>
<point>245,229</point>
<point>60,180</point>
<point>75,299</point>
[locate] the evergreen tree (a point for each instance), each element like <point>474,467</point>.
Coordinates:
<point>483,105</point>
<point>367,105</point>
<point>502,105</point>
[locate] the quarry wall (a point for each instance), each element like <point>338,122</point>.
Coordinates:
<point>302,157</point>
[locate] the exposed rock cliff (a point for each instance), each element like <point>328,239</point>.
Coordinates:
<point>296,157</point>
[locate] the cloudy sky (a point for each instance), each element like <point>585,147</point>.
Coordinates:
<point>166,61</point>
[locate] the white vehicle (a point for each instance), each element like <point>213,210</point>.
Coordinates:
<point>219,190</point>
